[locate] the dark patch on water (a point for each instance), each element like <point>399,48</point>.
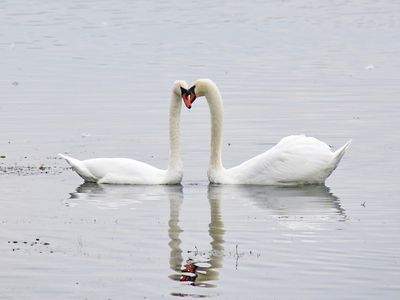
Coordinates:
<point>36,245</point>
<point>31,170</point>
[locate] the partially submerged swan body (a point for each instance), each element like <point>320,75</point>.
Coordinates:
<point>129,171</point>
<point>295,160</point>
<point>122,171</point>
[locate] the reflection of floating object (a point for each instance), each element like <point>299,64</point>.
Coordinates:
<point>188,272</point>
<point>189,267</point>
<point>191,270</point>
<point>188,277</point>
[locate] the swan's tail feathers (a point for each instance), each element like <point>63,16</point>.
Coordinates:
<point>337,156</point>
<point>80,168</point>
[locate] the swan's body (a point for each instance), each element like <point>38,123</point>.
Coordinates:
<point>129,171</point>
<point>295,160</point>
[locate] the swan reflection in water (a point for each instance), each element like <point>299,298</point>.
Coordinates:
<point>295,207</point>
<point>108,196</point>
<point>302,207</point>
<point>200,267</point>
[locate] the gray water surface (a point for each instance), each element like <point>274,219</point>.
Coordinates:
<point>93,79</point>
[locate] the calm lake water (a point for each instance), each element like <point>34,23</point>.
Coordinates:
<point>92,79</point>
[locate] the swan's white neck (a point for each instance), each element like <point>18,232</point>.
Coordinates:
<point>175,162</point>
<point>215,104</point>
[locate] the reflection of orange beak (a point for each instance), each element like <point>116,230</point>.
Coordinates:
<point>188,99</point>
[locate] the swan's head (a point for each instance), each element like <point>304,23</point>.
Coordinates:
<point>188,96</point>
<point>178,87</point>
<point>200,88</point>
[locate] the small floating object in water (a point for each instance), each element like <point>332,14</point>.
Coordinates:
<point>189,267</point>
<point>188,272</point>
<point>369,67</point>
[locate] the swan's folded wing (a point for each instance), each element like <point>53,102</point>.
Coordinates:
<point>124,170</point>
<point>294,160</point>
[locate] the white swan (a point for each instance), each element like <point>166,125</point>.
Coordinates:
<point>295,160</point>
<point>129,171</point>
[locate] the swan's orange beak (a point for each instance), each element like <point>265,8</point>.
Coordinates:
<point>188,96</point>
<point>188,99</point>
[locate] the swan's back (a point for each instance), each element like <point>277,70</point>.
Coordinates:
<point>124,167</point>
<point>117,171</point>
<point>295,160</point>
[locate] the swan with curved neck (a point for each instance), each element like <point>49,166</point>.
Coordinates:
<point>129,171</point>
<point>295,160</point>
